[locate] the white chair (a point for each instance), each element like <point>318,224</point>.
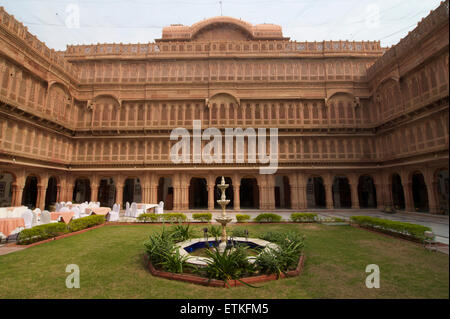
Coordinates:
<point>160,208</point>
<point>36,217</point>
<point>46,218</point>
<point>57,207</point>
<point>68,203</point>
<point>133,210</point>
<point>28,218</point>
<point>65,209</point>
<point>76,211</point>
<point>113,215</point>
<point>127,209</point>
<point>97,204</point>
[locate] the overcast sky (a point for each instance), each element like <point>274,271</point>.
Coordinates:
<point>62,22</point>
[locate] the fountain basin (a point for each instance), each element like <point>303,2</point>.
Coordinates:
<point>188,246</point>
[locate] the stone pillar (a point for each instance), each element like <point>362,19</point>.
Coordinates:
<point>94,192</point>
<point>354,193</point>
<point>302,181</point>
<point>328,183</point>
<point>59,194</point>
<point>210,196</point>
<point>236,198</point>
<point>40,200</point>
<point>270,193</point>
<point>409,200</point>
<point>433,205</point>
<point>293,185</point>
<point>119,194</point>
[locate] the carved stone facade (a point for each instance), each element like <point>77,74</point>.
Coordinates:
<point>360,126</point>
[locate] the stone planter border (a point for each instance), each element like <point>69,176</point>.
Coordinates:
<point>195,279</point>
<point>388,233</point>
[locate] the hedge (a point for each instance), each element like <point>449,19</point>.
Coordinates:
<point>173,217</point>
<point>204,217</point>
<point>148,217</point>
<point>303,217</point>
<point>166,217</point>
<point>268,218</point>
<point>85,222</point>
<point>41,232</point>
<point>408,229</point>
<point>242,218</point>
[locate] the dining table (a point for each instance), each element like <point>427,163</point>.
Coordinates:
<point>98,210</point>
<point>65,216</point>
<point>8,225</point>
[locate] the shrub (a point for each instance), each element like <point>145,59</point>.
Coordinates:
<point>173,217</point>
<point>303,217</point>
<point>41,232</point>
<point>86,222</point>
<point>239,232</point>
<point>180,232</point>
<point>215,231</point>
<point>148,218</point>
<point>204,217</point>
<point>231,264</point>
<point>241,218</point>
<point>408,229</point>
<point>268,218</point>
<point>282,238</point>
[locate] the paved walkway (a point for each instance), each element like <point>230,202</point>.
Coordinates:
<point>438,223</point>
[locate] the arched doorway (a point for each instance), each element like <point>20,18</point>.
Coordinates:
<point>228,192</point>
<point>81,191</point>
<point>51,192</point>
<point>198,193</point>
<point>342,196</point>
<point>132,191</point>
<point>30,191</point>
<point>107,192</point>
<point>315,193</point>
<point>282,192</point>
<point>367,192</point>
<point>249,193</point>
<point>442,191</point>
<point>419,191</point>
<point>398,196</point>
<point>165,192</point>
<point>6,189</point>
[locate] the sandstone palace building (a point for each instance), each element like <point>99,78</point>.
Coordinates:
<point>359,125</point>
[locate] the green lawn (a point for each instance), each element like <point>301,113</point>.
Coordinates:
<point>111,266</point>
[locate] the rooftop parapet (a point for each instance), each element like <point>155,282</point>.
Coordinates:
<point>16,28</point>
<point>235,47</point>
<point>437,18</point>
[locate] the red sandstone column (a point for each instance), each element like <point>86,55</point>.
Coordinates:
<point>94,192</point>
<point>329,192</point>
<point>210,196</point>
<point>119,195</point>
<point>409,201</point>
<point>40,201</point>
<point>236,198</point>
<point>431,187</point>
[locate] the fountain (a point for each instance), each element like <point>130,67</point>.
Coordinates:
<point>223,219</point>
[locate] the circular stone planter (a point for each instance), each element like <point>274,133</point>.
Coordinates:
<point>185,247</point>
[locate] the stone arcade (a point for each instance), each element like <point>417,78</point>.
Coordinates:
<point>359,126</point>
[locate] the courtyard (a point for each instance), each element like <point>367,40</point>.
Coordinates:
<point>111,266</point>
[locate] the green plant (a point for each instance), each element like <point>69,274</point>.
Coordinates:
<point>173,217</point>
<point>231,264</point>
<point>239,232</point>
<point>241,218</point>
<point>204,217</point>
<point>282,238</point>
<point>85,222</point>
<point>148,218</point>
<point>171,260</point>
<point>215,231</point>
<point>303,217</point>
<point>41,232</point>
<point>180,232</point>
<point>408,229</point>
<point>279,260</point>
<point>268,218</point>
<point>157,245</point>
